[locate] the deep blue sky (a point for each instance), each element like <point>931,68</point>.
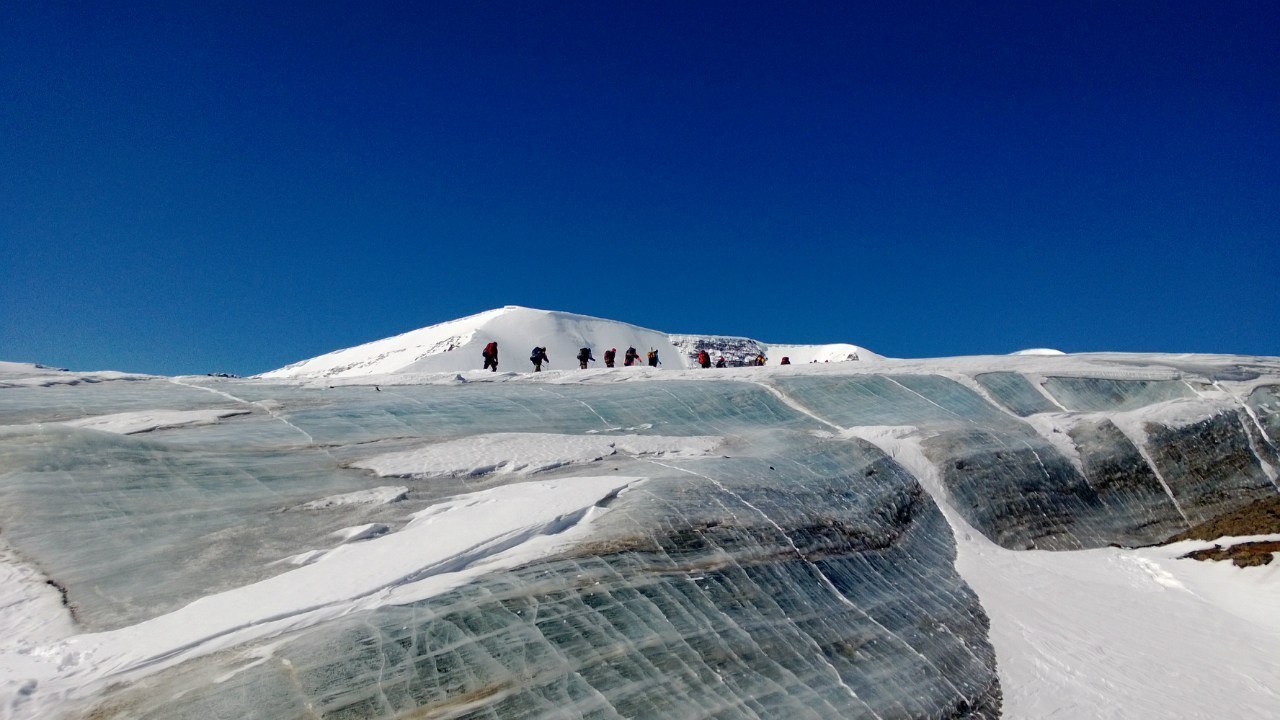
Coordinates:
<point>190,187</point>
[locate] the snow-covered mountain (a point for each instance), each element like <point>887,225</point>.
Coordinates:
<point>455,346</point>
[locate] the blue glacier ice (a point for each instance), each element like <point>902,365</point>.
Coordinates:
<point>794,571</point>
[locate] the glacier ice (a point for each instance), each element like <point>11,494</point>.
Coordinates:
<point>743,557</point>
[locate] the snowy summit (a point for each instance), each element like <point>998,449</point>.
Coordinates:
<point>456,345</point>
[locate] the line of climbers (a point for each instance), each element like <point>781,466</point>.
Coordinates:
<point>631,357</point>
<point>539,357</point>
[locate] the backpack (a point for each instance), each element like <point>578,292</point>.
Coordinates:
<point>491,349</point>
<point>653,354</point>
<point>584,353</point>
<point>703,358</point>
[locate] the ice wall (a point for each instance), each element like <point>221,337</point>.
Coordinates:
<point>1029,475</point>
<point>771,564</point>
<point>740,590</point>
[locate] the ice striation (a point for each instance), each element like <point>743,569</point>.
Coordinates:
<point>700,544</point>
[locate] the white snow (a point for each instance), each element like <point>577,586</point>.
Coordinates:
<point>141,421</point>
<point>1128,633</point>
<point>666,446</point>
<point>361,532</point>
<point>804,354</point>
<point>31,618</point>
<point>13,374</point>
<point>525,453</point>
<point>1038,351</point>
<point>456,345</point>
<point>384,495</point>
<point>441,547</point>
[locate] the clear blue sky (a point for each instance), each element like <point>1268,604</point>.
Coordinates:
<point>192,187</point>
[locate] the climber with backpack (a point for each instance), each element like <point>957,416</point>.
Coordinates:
<point>631,358</point>
<point>785,360</point>
<point>490,356</point>
<point>584,356</point>
<point>759,361</point>
<point>704,359</point>
<point>537,357</point>
<point>609,355</point>
<point>653,358</point>
<point>721,363</point>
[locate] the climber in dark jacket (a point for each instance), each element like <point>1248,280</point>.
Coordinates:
<point>704,359</point>
<point>537,357</point>
<point>631,358</point>
<point>584,356</point>
<point>609,355</point>
<point>490,356</point>
<point>720,362</point>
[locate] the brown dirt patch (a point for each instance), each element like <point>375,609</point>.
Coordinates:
<point>1261,517</point>
<point>1250,554</point>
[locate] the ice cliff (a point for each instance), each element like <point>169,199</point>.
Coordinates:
<point>779,542</point>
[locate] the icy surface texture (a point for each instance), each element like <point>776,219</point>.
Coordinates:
<point>1083,393</point>
<point>1210,465</point>
<point>740,590</point>
<point>135,526</point>
<point>1263,405</point>
<point>1016,393</point>
<point>1023,491</point>
<point>769,564</point>
<point>1137,505</point>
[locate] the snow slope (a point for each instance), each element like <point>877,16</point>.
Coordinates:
<point>456,345</point>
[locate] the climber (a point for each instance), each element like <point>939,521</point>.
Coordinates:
<point>720,362</point>
<point>609,355</point>
<point>537,357</point>
<point>490,356</point>
<point>584,356</point>
<point>704,359</point>
<point>759,360</point>
<point>653,359</point>
<point>631,358</point>
<point>785,360</point>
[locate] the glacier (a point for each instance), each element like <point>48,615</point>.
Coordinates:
<point>883,538</point>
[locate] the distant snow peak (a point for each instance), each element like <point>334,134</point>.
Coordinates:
<point>1038,351</point>
<point>456,346</point>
